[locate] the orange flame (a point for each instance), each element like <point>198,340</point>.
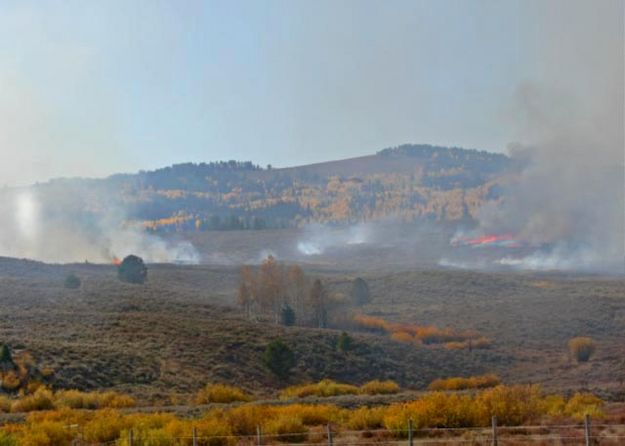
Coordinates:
<point>116,261</point>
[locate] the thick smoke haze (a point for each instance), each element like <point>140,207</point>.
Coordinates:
<point>569,201</point>
<point>61,228</point>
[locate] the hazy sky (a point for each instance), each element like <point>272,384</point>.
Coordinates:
<point>92,88</point>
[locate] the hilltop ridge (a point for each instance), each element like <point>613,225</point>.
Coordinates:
<point>408,182</point>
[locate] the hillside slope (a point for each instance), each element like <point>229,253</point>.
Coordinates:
<point>411,182</point>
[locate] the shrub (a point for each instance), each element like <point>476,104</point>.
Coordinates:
<point>72,282</point>
<point>344,344</point>
<point>513,405</point>
<point>76,399</point>
<point>323,388</point>
<point>377,387</point>
<point>582,404</point>
<point>287,316</point>
<point>402,336</point>
<point>313,414</point>
<point>360,292</point>
<point>458,383</point>
<point>7,439</point>
<point>286,428</point>
<point>132,270</point>
<point>279,358</point>
<point>582,348</point>
<point>10,381</point>
<point>107,425</point>
<point>42,399</point>
<point>5,355</point>
<point>220,393</point>
<point>365,418</point>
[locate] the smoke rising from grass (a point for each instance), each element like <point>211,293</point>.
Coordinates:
<point>569,200</point>
<point>65,225</point>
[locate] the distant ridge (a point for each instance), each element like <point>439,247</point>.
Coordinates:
<point>409,182</point>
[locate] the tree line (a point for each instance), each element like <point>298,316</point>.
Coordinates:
<point>285,295</point>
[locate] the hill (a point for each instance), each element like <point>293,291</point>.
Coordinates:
<point>409,182</point>
<point>182,329</point>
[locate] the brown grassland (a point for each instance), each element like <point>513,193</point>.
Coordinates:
<point>159,344</point>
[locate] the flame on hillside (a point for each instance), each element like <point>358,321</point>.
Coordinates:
<point>116,261</point>
<point>488,240</point>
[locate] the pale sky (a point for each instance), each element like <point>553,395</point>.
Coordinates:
<point>91,88</point>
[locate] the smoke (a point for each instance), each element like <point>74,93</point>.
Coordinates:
<point>64,224</point>
<point>317,238</point>
<point>569,200</point>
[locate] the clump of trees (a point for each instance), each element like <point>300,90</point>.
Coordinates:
<point>283,294</point>
<point>582,348</point>
<point>132,270</point>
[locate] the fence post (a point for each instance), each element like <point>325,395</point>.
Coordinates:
<point>194,433</point>
<point>587,429</point>
<point>494,428</point>
<point>259,436</point>
<point>410,442</point>
<point>329,429</point>
<point>131,438</point>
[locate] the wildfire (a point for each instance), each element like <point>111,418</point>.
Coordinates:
<point>503,240</point>
<point>116,261</point>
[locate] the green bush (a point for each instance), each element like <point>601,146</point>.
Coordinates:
<point>132,270</point>
<point>72,282</point>
<point>582,348</point>
<point>360,292</point>
<point>279,358</point>
<point>344,344</point>
<point>287,315</point>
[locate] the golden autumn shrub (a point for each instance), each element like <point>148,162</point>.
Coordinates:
<point>512,405</point>
<point>423,334</point>
<point>285,428</point>
<point>323,388</point>
<point>312,414</point>
<point>243,420</point>
<point>46,433</point>
<point>11,381</point>
<point>402,336</point>
<point>377,387</point>
<point>582,404</point>
<point>459,383</point>
<point>365,418</point>
<point>220,393</point>
<point>106,426</point>
<point>5,404</point>
<point>42,399</point>
<point>7,439</point>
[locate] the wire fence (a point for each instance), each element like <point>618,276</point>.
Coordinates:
<point>586,434</point>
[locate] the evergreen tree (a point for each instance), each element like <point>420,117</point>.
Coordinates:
<point>360,292</point>
<point>279,358</point>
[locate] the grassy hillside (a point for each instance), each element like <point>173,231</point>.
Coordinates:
<point>180,330</point>
<point>411,182</point>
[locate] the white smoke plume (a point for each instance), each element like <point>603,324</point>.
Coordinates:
<point>570,198</point>
<point>61,228</point>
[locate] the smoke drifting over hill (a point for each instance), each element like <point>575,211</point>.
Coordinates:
<point>43,225</point>
<point>569,201</point>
